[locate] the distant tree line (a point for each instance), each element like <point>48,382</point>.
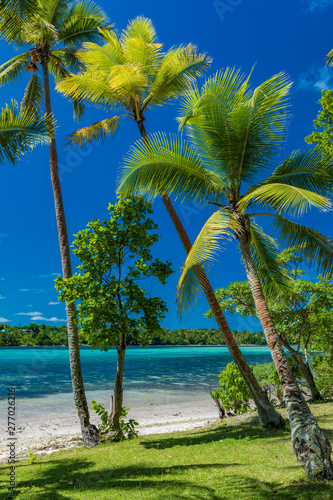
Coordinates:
<point>46,335</point>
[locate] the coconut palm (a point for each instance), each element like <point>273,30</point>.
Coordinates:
<point>236,133</point>
<point>49,38</point>
<point>131,74</point>
<point>20,132</point>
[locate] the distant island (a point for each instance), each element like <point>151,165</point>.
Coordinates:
<point>46,335</point>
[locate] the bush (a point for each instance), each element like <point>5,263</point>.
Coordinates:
<point>233,392</point>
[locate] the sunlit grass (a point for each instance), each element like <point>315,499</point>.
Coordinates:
<point>233,460</point>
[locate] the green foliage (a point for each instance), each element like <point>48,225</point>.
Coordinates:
<point>115,256</point>
<point>323,138</point>
<point>269,381</point>
<point>233,392</point>
<point>105,425</point>
<point>32,457</point>
<point>323,368</point>
<point>127,429</point>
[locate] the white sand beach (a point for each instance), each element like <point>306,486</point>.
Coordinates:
<point>47,425</point>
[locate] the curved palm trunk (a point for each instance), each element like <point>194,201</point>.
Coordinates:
<point>310,445</point>
<point>90,432</point>
<point>305,369</point>
<point>268,415</point>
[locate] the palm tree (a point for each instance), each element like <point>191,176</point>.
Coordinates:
<point>236,133</point>
<point>20,132</point>
<point>131,74</point>
<point>53,33</point>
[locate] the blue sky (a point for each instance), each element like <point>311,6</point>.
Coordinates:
<point>275,36</point>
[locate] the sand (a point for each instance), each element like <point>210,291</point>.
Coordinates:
<point>48,431</point>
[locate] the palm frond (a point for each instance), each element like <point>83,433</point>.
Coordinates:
<point>140,27</point>
<point>11,70</point>
<point>305,169</point>
<point>317,249</point>
<point>97,131</point>
<point>82,23</point>
<point>127,81</point>
<point>221,225</point>
<point>67,58</point>
<point>178,68</point>
<point>264,252</point>
<point>33,96</point>
<point>13,23</point>
<point>146,55</point>
<point>40,29</point>
<point>168,166</point>
<point>88,87</point>
<point>20,132</point>
<point>329,58</point>
<point>54,11</point>
<point>285,198</point>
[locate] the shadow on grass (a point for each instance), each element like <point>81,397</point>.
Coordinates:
<point>250,488</point>
<point>57,480</point>
<point>220,433</point>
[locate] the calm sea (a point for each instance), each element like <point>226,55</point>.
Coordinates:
<point>39,371</point>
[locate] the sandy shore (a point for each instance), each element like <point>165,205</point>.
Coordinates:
<point>46,433</point>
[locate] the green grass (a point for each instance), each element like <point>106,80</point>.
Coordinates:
<point>233,460</point>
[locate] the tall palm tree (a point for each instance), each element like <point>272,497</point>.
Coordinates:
<point>50,38</point>
<point>131,74</point>
<point>236,133</point>
<point>20,132</point>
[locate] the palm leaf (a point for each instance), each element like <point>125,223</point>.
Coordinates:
<point>33,96</point>
<point>13,23</point>
<point>82,23</point>
<point>221,225</point>
<point>127,81</point>
<point>97,131</point>
<point>179,67</point>
<point>140,27</point>
<point>317,249</point>
<point>305,169</point>
<point>11,70</point>
<point>329,58</point>
<point>168,166</point>
<point>20,132</point>
<point>285,198</point>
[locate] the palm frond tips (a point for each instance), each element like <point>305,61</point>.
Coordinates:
<point>285,198</point>
<point>97,131</point>
<point>11,70</point>
<point>317,249</point>
<point>162,165</point>
<point>221,225</point>
<point>140,27</point>
<point>20,132</point>
<point>33,96</point>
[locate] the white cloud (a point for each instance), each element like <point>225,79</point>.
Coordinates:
<point>318,5</point>
<point>37,290</point>
<point>50,275</point>
<point>40,318</point>
<point>34,313</point>
<point>2,297</point>
<point>315,78</point>
<point>53,303</point>
<point>4,320</point>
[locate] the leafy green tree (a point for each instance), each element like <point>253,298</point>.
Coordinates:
<point>236,133</point>
<point>115,256</point>
<point>49,32</point>
<point>323,138</point>
<point>233,392</point>
<point>131,74</point>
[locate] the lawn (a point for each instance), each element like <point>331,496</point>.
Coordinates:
<point>235,459</point>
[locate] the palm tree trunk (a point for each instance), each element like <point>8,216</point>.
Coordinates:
<point>90,432</point>
<point>305,369</point>
<point>310,445</point>
<point>268,415</point>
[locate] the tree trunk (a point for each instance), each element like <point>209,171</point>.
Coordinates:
<point>118,388</point>
<point>268,415</point>
<point>90,433</point>
<point>310,445</point>
<point>305,369</point>
<point>220,409</point>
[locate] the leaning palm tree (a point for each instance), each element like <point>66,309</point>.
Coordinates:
<point>131,74</point>
<point>50,38</point>
<point>20,132</point>
<point>235,135</point>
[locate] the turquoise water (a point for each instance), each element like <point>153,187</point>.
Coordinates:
<point>38,372</point>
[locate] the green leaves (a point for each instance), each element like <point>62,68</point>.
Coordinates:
<point>33,96</point>
<point>20,132</point>
<point>97,131</point>
<point>115,257</point>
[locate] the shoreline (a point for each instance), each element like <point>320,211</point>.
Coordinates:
<point>41,434</point>
<point>140,346</point>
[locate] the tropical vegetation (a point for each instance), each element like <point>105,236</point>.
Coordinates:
<point>49,34</point>
<point>235,135</point>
